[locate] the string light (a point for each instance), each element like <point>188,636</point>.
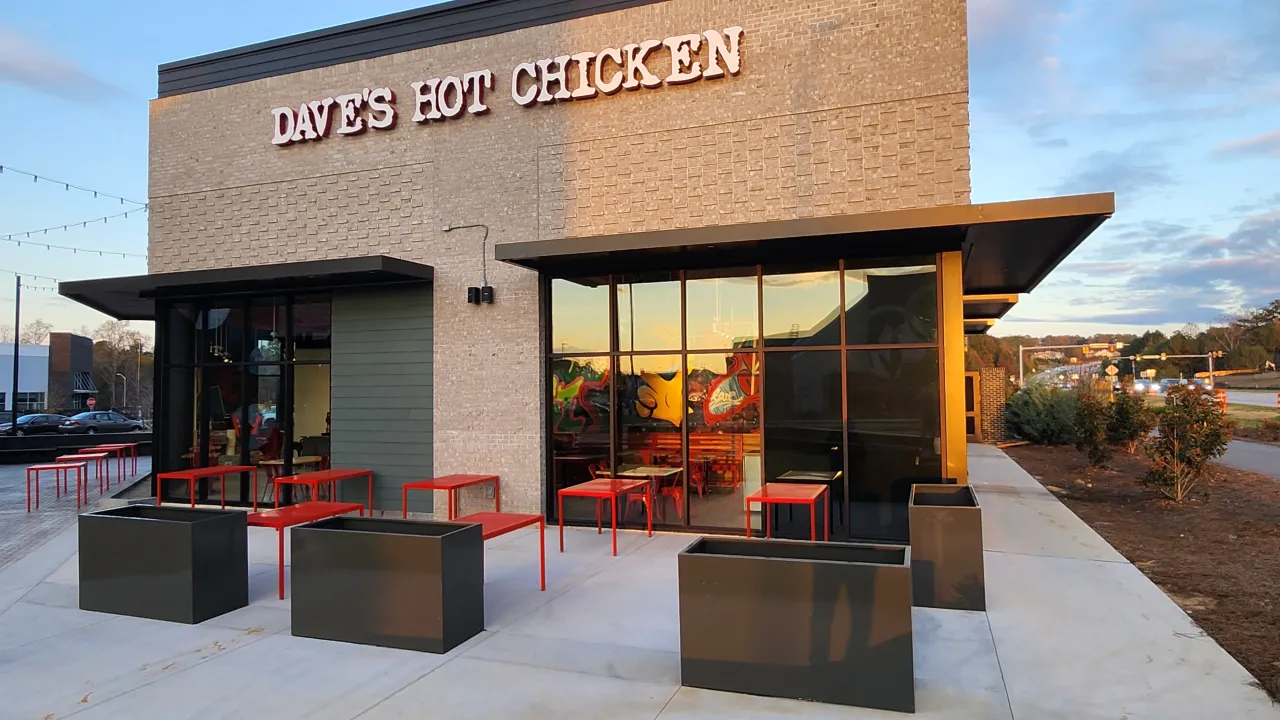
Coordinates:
<point>22,238</point>
<point>69,186</point>
<point>31,275</point>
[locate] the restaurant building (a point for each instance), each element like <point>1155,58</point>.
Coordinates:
<point>550,238</point>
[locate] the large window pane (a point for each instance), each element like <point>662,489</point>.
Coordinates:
<point>894,435</point>
<point>312,329</point>
<point>268,324</point>
<point>722,309</point>
<point>724,436</point>
<point>803,429</point>
<point>310,417</point>
<point>649,312</point>
<point>580,417</point>
<point>580,315</point>
<point>180,334</point>
<point>223,333</point>
<point>887,306</point>
<point>651,410</point>
<point>801,308</point>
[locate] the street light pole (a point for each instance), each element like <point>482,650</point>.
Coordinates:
<point>17,335</point>
<point>125,401</point>
<point>1021,382</point>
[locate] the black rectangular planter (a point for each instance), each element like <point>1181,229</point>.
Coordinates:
<point>828,622</point>
<point>388,582</point>
<point>946,548</point>
<point>164,563</point>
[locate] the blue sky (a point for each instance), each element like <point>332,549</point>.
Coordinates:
<point>1174,105</point>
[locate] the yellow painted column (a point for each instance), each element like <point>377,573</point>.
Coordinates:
<point>955,451</point>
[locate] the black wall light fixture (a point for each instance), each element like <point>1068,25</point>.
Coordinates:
<point>484,293</point>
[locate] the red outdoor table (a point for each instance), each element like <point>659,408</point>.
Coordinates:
<point>791,494</point>
<point>281,518</point>
<point>493,524</point>
<point>81,468</point>
<point>606,489</point>
<point>451,484</point>
<point>99,462</point>
<point>314,480</point>
<point>119,449</point>
<point>218,471</point>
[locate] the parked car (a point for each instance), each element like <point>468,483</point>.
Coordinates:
<point>99,421</point>
<point>33,424</point>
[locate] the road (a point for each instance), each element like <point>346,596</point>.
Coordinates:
<point>1252,397</point>
<point>1254,457</point>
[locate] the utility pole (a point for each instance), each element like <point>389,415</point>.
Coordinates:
<point>1021,383</point>
<point>17,338</point>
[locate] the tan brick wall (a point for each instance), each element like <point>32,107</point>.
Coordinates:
<point>994,392</point>
<point>842,106</point>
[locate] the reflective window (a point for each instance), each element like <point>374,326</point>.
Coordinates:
<point>724,436</point>
<point>580,315</point>
<point>580,418</point>
<point>268,323</point>
<point>222,334</point>
<point>722,309</point>
<point>801,308</point>
<point>803,427</point>
<point>312,329</point>
<point>649,312</point>
<point>889,306</point>
<point>895,435</point>
<point>650,414</point>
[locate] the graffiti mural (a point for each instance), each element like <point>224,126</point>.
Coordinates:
<point>661,398</point>
<point>733,392</point>
<point>579,395</point>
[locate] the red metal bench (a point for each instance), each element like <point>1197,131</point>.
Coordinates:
<point>281,518</point>
<point>493,524</point>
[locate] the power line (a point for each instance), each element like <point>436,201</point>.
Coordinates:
<point>20,238</point>
<point>69,186</point>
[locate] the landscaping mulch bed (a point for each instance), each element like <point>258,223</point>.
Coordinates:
<point>1217,555</point>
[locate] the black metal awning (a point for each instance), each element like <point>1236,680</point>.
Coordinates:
<point>1008,247</point>
<point>133,297</point>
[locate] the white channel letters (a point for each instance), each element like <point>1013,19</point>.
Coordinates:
<point>581,76</point>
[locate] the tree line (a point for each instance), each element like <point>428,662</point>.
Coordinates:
<point>1249,340</point>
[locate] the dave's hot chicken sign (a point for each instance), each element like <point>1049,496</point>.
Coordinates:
<point>677,60</point>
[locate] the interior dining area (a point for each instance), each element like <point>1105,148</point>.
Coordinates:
<point>712,382</point>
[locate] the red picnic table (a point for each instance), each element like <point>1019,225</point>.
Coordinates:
<point>193,474</point>
<point>99,461</point>
<point>493,524</point>
<point>81,468</point>
<point>791,494</point>
<point>606,489</point>
<point>451,484</point>
<point>281,518</point>
<point>119,449</point>
<point>314,480</point>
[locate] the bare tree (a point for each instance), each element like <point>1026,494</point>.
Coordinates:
<point>6,334</point>
<point>36,332</point>
<point>118,349</point>
<point>1229,334</point>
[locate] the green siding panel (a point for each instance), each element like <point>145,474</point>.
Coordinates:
<point>382,392</point>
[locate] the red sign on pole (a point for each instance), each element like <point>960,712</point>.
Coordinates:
<point>91,402</point>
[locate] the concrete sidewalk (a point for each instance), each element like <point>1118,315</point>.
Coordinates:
<point>1073,631</point>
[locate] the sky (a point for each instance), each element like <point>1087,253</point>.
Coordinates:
<point>1174,105</point>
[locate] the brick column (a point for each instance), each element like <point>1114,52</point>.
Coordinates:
<point>994,385</point>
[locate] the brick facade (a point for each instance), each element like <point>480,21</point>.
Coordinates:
<point>842,106</point>
<point>994,392</point>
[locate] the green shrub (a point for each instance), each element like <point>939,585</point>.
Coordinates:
<point>1092,417</point>
<point>1131,421</point>
<point>1191,431</point>
<point>1042,415</point>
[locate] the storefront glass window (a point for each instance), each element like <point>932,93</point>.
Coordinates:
<point>894,435</point>
<point>724,436</point>
<point>580,421</point>
<point>801,307</point>
<point>650,413</point>
<point>222,334</point>
<point>648,312</point>
<point>722,309</point>
<point>580,315</point>
<point>891,305</point>
<point>312,328</point>
<point>803,425</point>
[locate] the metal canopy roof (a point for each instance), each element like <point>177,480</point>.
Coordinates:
<point>133,297</point>
<point>1008,247</point>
